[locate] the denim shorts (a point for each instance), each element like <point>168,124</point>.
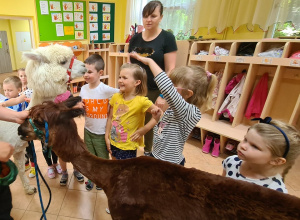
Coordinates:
<point>122,154</point>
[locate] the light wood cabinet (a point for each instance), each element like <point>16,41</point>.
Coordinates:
<point>283,100</point>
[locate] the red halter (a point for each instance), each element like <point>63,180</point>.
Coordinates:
<point>70,68</point>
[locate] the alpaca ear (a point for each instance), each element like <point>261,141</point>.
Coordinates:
<point>71,113</point>
<point>71,102</point>
<point>35,57</point>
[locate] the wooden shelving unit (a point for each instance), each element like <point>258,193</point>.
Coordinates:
<point>284,84</point>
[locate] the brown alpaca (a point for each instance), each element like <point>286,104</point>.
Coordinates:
<point>146,188</point>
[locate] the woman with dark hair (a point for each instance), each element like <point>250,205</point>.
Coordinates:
<point>157,44</point>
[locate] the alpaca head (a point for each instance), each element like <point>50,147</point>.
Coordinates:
<point>59,117</point>
<point>46,69</point>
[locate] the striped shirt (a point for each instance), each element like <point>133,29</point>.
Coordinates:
<point>172,131</point>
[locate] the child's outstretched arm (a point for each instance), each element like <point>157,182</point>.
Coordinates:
<point>14,101</point>
<point>156,113</point>
<point>155,69</point>
<point>108,129</point>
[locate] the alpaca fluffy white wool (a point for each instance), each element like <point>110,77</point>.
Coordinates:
<point>46,72</point>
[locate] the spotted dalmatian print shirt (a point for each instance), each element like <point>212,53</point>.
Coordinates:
<point>232,166</point>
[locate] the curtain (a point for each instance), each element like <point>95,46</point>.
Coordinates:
<point>179,15</point>
<point>220,14</point>
<point>287,10</point>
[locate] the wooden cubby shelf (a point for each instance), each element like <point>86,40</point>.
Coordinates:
<point>283,100</point>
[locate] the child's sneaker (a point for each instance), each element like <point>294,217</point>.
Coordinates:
<point>51,173</point>
<point>58,168</point>
<point>107,210</point>
<point>27,167</point>
<point>89,185</point>
<point>32,172</point>
<point>98,188</point>
<point>64,179</point>
<point>78,176</point>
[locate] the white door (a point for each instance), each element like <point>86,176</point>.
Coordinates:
<point>5,61</point>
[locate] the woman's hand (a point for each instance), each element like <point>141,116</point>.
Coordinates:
<point>21,116</point>
<point>136,56</point>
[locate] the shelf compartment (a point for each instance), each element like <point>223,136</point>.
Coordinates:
<point>264,46</point>
<point>254,75</point>
<point>197,63</point>
<point>222,128</point>
<point>292,47</point>
<point>235,47</point>
<point>283,94</point>
<point>197,46</point>
<point>295,118</point>
<point>224,44</point>
<point>231,69</point>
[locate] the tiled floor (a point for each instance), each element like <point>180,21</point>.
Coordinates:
<point>73,202</point>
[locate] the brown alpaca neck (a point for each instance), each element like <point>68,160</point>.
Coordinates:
<point>70,148</point>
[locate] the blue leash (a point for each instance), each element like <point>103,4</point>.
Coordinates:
<point>39,134</point>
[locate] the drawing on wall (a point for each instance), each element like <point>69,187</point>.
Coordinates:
<point>79,26</point>
<point>79,35</point>
<point>105,26</point>
<point>78,6</point>
<point>93,7</point>
<point>93,17</point>
<point>93,26</point>
<point>68,16</point>
<point>67,6</point>
<point>106,8</point>
<point>44,7</point>
<point>54,6</point>
<point>78,16</point>
<point>94,36</point>
<point>106,17</point>
<point>60,30</point>
<point>56,17</point>
<point>105,36</point>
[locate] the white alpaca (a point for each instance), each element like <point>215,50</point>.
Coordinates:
<point>46,72</point>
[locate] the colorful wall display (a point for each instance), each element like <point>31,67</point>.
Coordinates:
<point>61,20</point>
<point>102,22</point>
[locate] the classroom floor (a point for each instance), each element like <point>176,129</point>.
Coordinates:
<point>73,202</point>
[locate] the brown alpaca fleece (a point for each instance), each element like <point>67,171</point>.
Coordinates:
<point>146,188</point>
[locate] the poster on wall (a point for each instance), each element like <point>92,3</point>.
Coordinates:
<point>67,6</point>
<point>106,36</point>
<point>79,35</point>
<point>78,16</point>
<point>102,14</point>
<point>56,17</point>
<point>94,36</point>
<point>93,7</point>
<point>78,6</point>
<point>106,17</point>
<point>59,19</point>
<point>93,26</point>
<point>60,30</point>
<point>44,7</point>
<point>79,25</point>
<point>106,8</point>
<point>68,17</point>
<point>106,26</point>
<point>93,17</point>
<point>54,6</point>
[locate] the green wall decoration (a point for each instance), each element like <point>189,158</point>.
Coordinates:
<point>102,22</point>
<point>61,20</point>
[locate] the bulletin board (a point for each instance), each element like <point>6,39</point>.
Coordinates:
<point>102,22</point>
<point>61,20</point>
